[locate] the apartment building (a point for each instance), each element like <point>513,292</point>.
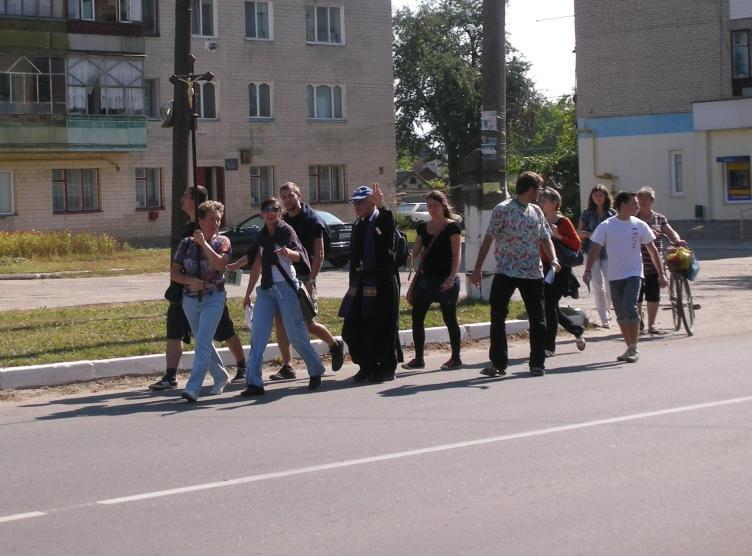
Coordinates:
<point>303,91</point>
<point>664,98</point>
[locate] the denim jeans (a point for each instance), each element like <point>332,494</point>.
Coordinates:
<point>531,291</point>
<point>203,316</point>
<point>624,294</point>
<point>283,299</point>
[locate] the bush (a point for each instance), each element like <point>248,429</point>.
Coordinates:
<point>403,222</point>
<point>46,244</point>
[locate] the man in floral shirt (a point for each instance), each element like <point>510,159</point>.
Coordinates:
<point>518,228</point>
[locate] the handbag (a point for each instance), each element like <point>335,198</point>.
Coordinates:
<point>411,288</point>
<point>568,256</point>
<point>306,303</point>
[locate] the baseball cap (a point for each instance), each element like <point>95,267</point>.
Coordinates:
<point>362,192</point>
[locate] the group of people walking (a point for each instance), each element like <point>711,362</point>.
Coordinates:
<point>289,251</point>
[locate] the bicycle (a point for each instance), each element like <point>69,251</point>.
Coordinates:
<point>676,265</point>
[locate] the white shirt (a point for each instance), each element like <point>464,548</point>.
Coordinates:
<point>285,263</point>
<point>623,239</point>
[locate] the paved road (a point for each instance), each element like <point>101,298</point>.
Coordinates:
<point>595,458</point>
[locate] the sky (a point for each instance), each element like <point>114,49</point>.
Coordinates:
<point>548,44</point>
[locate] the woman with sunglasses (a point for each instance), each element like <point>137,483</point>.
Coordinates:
<point>272,257</point>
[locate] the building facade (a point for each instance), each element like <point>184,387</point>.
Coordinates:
<point>303,92</point>
<point>664,99</point>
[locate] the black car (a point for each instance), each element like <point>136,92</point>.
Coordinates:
<point>244,234</point>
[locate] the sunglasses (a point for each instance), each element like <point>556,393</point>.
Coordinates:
<point>270,209</point>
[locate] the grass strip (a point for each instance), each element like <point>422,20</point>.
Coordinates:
<point>132,261</point>
<point>54,335</point>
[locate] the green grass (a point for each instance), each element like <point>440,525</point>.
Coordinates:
<point>130,261</point>
<point>41,336</point>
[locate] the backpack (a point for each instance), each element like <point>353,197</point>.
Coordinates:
<point>401,250</point>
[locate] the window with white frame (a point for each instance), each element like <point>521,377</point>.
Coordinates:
<point>30,85</point>
<point>108,11</point>
<point>149,188</point>
<point>111,85</point>
<point>75,190</point>
<point>262,183</point>
<point>203,18</point>
<point>326,183</point>
<point>6,192</point>
<point>33,8</point>
<point>258,20</point>
<point>259,100</point>
<point>324,102</point>
<point>324,24</point>
<point>676,173</point>
<point>206,100</point>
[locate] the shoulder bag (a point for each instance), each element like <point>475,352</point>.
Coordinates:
<point>306,303</point>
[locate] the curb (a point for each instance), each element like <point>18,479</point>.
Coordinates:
<point>44,275</point>
<point>56,374</point>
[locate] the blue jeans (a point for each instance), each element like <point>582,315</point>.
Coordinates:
<point>203,316</point>
<point>624,295</point>
<point>283,299</point>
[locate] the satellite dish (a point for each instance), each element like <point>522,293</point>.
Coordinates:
<point>167,113</point>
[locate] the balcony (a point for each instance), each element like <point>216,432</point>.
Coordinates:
<point>72,133</point>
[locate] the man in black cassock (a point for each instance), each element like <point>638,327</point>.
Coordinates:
<point>371,304</point>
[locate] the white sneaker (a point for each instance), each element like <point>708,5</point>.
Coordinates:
<point>632,354</point>
<point>580,342</point>
<point>219,385</point>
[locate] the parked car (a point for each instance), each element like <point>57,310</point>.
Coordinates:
<point>338,253</point>
<point>418,212</point>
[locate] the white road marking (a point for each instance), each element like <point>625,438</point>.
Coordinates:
<point>422,451</point>
<point>16,517</point>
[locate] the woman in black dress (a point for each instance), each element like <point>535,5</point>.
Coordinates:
<point>438,248</point>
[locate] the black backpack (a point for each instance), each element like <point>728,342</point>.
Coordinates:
<point>401,250</point>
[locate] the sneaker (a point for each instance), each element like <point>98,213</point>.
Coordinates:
<point>285,372</point>
<point>550,353</point>
<point>314,382</point>
<point>239,376</point>
<point>537,371</point>
<point>414,364</point>
<point>493,371</point>
<point>219,385</point>
<point>338,355</point>
<point>187,396</point>
<point>451,364</point>
<point>632,354</point>
<point>605,324</point>
<point>164,383</point>
<point>580,342</point>
<point>253,390</point>
<point>623,356</point>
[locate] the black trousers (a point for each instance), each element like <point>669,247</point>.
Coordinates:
<point>449,314</point>
<point>555,317</point>
<point>531,291</point>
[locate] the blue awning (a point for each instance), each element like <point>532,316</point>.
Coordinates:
<point>732,159</point>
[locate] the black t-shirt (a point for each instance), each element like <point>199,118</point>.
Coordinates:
<point>309,227</point>
<point>438,263</point>
<point>188,229</point>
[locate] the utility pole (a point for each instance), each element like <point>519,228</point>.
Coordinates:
<point>484,170</point>
<point>182,118</point>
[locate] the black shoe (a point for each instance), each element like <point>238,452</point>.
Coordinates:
<point>537,371</point>
<point>285,372</point>
<point>314,382</point>
<point>253,390</point>
<point>239,376</point>
<point>414,364</point>
<point>190,398</point>
<point>362,375</point>
<point>493,371</point>
<point>338,355</point>
<point>381,377</point>
<point>164,383</point>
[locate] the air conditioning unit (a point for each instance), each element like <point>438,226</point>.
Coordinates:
<point>211,45</point>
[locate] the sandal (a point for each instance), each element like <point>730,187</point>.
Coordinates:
<point>655,332</point>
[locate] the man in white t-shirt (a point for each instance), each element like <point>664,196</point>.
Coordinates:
<point>623,236</point>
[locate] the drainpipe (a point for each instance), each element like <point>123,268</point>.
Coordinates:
<point>605,175</point>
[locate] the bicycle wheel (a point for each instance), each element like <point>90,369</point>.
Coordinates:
<point>674,294</point>
<point>688,307</point>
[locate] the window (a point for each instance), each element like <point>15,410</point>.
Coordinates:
<point>736,179</point>
<point>33,8</point>
<point>326,183</point>
<point>259,100</point>
<point>676,173</point>
<point>258,18</point>
<point>32,85</point>
<point>324,24</point>
<point>203,18</point>
<point>151,98</point>
<point>262,180</point>
<point>105,85</point>
<point>741,45</point>
<point>108,11</point>
<point>148,188</point>
<point>150,16</point>
<point>75,190</point>
<point>6,193</point>
<point>206,102</point>
<point>324,102</point>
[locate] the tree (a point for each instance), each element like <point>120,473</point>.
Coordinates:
<point>437,60</point>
